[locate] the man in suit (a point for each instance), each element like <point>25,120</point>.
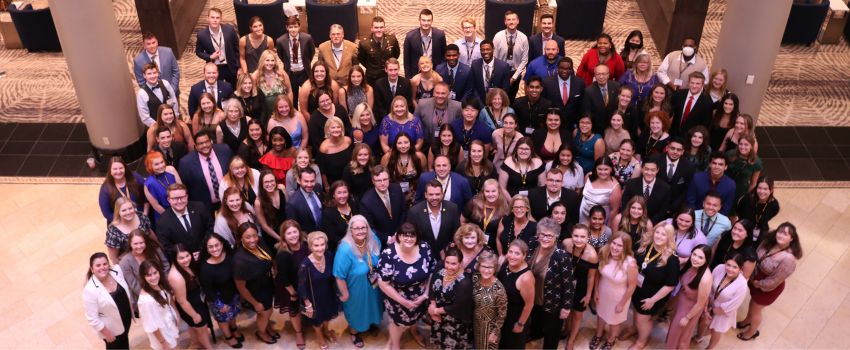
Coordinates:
<point>185,222</point>
<point>542,198</point>
<point>455,187</point>
<point>164,59</point>
<point>436,218</point>
<point>375,50</point>
<point>295,50</point>
<point>489,72</point>
<point>713,179</point>
<point>436,111</point>
<point>305,205</point>
<point>531,108</point>
<point>203,169</point>
<point>339,55</point>
<point>511,46</point>
<point>600,99</point>
<point>538,41</point>
<point>656,193</point>
<point>690,107</point>
<point>388,88</point>
<point>423,41</point>
<point>154,93</point>
<point>456,75</point>
<point>220,91</point>
<point>172,151</point>
<point>219,44</point>
<point>384,207</point>
<point>676,172</point>
<point>565,91</point>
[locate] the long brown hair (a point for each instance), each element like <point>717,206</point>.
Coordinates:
<point>355,166</point>
<point>286,225</point>
<point>133,186</point>
<point>605,252</point>
<point>754,196</point>
<point>363,83</point>
<point>649,102</point>
<point>625,222</point>
<point>750,157</point>
<point>770,241</point>
<point>392,162</point>
<point>485,163</point>
<point>177,129</point>
<point>719,111</point>
<point>314,84</point>
<point>227,214</point>
<point>144,268</point>
<point>703,149</point>
<point>152,247</point>
<point>266,200</point>
<point>329,199</point>
<point>193,266</point>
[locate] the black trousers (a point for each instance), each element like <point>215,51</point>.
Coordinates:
<point>225,74</point>
<point>121,341</point>
<point>545,325</point>
<point>514,88</point>
<point>297,79</point>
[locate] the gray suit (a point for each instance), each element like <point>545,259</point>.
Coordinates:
<point>425,112</point>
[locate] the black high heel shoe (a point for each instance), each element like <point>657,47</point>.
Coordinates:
<point>273,341</point>
<point>738,325</point>
<point>238,342</point>
<point>755,335</point>
<point>233,333</point>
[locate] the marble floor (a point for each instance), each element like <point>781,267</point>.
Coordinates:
<point>49,231</point>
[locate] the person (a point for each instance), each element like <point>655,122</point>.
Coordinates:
<point>405,287</point>
<point>281,155</point>
<point>365,129</point>
<point>186,222</point>
<point>172,151</point>
<point>737,240</point>
<point>505,139</point>
<point>454,187</point>
<point>208,115</point>
<point>234,128</point>
<point>451,306</point>
<point>722,309</point>
<point>717,87</point>
<point>658,100</point>
<point>654,138</point>
<point>477,169</point>
<point>339,55</point>
<point>405,165</point>
<point>110,314</point>
<point>690,106</point>
<point>537,42</point>
<point>491,302</point>
<point>457,75</point>
<point>357,173</point>
<point>471,242</point>
<point>219,89</point>
<point>336,149</point>
<point>271,80</point>
<point>697,148</point>
<point>308,99</point>
<point>398,121</point>
<point>470,42</point>
<point>234,213</point>
<point>616,132</point>
<point>639,77</point>
<point>489,72</point>
<point>511,46</point>
<point>291,252</point>
<point>154,93</point>
<point>315,277</point>
<point>714,179</point>
<point>519,282</point>
<point>303,160</point>
<point>270,207</point>
<point>744,168</point>
<point>520,173</point>
<point>658,267</point>
<point>601,54</point>
<point>615,283</point>
<point>446,145</point>
<point>255,146</point>
<point>696,285</point>
<point>304,206</point>
<point>390,87</point>
<point>558,211</point>
<point>356,91</point>
<point>252,45</point>
<point>425,77</point>
<point>188,296</point>
<point>589,144</point>
<point>339,207</point>
<point>157,307</point>
<point>600,188</point>
<point>219,44</point>
<point>118,183</point>
<point>423,41</point>
<point>709,220</point>
<point>495,109</point>
<point>631,121</point>
<point>293,47</point>
<point>548,140</point>
<point>684,62</point>
<point>142,248</point>
<point>725,117</point>
<point>573,178</point>
<point>438,218</point>
<point>531,109</point>
<point>203,170</point>
<point>600,98</point>
<point>518,225</point>
<point>216,275</point>
<point>244,178</point>
<point>585,263</point>
<point>389,195</point>
<point>626,165</point>
<point>743,127</point>
<point>759,206</point>
<point>127,219</point>
<point>164,61</point>
<point>284,115</point>
<point>355,264</point>
<point>543,198</point>
<point>471,128</point>
<point>657,193</point>
<point>374,51</point>
<point>632,49</point>
<point>252,272</point>
<point>486,209</point>
<point>565,92</point>
<point>180,132</point>
<point>545,65</point>
<point>634,219</point>
<point>598,233</point>
<point>686,235</point>
<point>317,122</point>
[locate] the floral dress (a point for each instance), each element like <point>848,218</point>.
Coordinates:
<point>455,330</point>
<point>622,172</point>
<point>410,280</point>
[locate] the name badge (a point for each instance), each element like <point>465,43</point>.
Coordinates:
<point>405,186</point>
<point>677,82</point>
<point>437,133</point>
<point>756,234</point>
<point>465,154</point>
<point>529,131</point>
<point>487,238</point>
<point>524,193</point>
<point>452,95</point>
<point>511,63</point>
<point>640,280</point>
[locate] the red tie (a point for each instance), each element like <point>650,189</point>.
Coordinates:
<point>565,94</point>
<point>687,110</point>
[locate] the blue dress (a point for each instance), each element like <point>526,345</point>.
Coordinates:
<point>363,307</point>
<point>314,285</point>
<point>642,90</point>
<point>370,138</point>
<point>296,136</point>
<point>103,199</point>
<point>158,187</point>
<point>410,280</point>
<point>391,128</point>
<point>586,152</point>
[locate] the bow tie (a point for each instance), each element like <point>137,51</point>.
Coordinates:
<point>155,87</point>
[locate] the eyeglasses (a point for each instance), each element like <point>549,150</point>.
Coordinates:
<point>518,207</point>
<point>484,267</point>
<point>545,236</point>
<point>408,236</point>
<point>179,199</point>
<point>358,229</point>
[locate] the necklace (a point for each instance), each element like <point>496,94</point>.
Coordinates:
<point>235,130</point>
<point>268,75</point>
<point>318,263</point>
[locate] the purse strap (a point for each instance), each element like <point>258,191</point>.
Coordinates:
<point>310,277</point>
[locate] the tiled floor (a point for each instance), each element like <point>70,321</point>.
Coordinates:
<point>805,153</point>
<point>44,149</point>
<point>44,260</point>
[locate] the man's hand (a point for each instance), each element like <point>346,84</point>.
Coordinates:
<point>216,55</point>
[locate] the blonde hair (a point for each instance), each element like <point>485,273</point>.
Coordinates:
<point>709,84</point>
<point>524,198</point>
<point>362,107</point>
<point>237,162</point>
<point>238,92</point>
<point>116,218</point>
<point>480,199</point>
<point>279,74</point>
<point>605,252</point>
<point>425,59</point>
<point>403,100</point>
<point>330,122</point>
<point>467,20</point>
<point>313,236</point>
<point>469,229</point>
<point>646,239</point>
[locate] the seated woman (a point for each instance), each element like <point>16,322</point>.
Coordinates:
<point>127,219</point>
<point>189,298</point>
<point>504,139</point>
<point>518,225</point>
<point>234,128</point>
<point>303,159</point>
<point>308,99</point>
<point>335,150</point>
<point>242,177</point>
<point>697,149</point>
<point>157,307</point>
<point>121,183</point>
<point>451,304</point>
<point>568,163</point>
<point>357,91</point>
<point>253,45</point>
<point>405,164</point>
<point>253,104</point>
<point>358,172</point>
<point>495,108</point>
<point>485,210</point>
<point>615,134</point>
<point>156,185</point>
<point>233,213</point>
<point>626,165</point>
<point>446,144</point>
<point>280,156</point>
<point>654,139</point>
<point>477,168</point>
<point>548,140</point>
<point>364,129</point>
<point>471,242</point>
<point>208,116</point>
<point>255,146</point>
<point>589,145</point>
<point>283,114</point>
<point>142,248</point>
<point>180,132</point>
<point>520,173</point>
<point>401,120</point>
<point>317,289</point>
<point>424,82</point>
<point>253,273</point>
<point>271,79</point>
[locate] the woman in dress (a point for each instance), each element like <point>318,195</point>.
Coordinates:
<point>744,167</point>
<point>270,207</point>
<point>628,112</point>
<point>495,108</point>
<point>110,314</point>
<point>477,169</point>
<point>697,149</point>
<point>292,251</point>
<point>253,45</point>
<point>356,91</point>
<point>716,88</point>
<point>600,188</point>
<point>590,145</point>
<point>490,303</point>
<point>339,207</point>
<point>255,146</point>
<point>654,138</point>
<point>485,210</point>
<point>585,262</point>
<point>271,79</point>
<point>691,299</point>
<point>451,304</point>
<point>728,291</point>
<point>400,121</point>
<point>303,160</point>
<point>777,259</point>
<point>234,128</point>
<point>405,164</point>
<point>632,49</point>
<point>548,140</point>
<point>470,240</point>
<point>120,183</point>
<point>447,145</point>
<point>183,279</point>
<point>517,225</point>
<point>234,212</point>
<point>216,275</point>
<point>356,271</point>
<point>253,104</point>
<point>615,283</point>
<point>639,78</point>
<point>601,53</point>
<point>326,111</point>
<point>127,219</point>
<point>316,283</point>
<point>723,120</point>
<point>553,284</point>
<point>743,127</point>
<point>180,132</point>
<point>759,206</point>
<point>598,233</point>
<point>156,185</point>
<point>365,131</point>
<point>567,162</point>
<point>626,165</point>
<point>521,171</point>
<point>615,134</point>
<point>244,178</point>
<point>308,99</point>
<point>253,273</point>
<point>737,240</point>
<point>157,307</point>
<point>334,150</point>
<point>208,116</point>
<point>634,222</point>
<point>685,234</point>
<point>142,248</point>
<point>405,268</point>
<point>658,100</point>
<point>284,115</point>
<point>518,280</point>
<point>358,172</point>
<point>504,139</point>
<point>423,83</point>
<point>280,156</point>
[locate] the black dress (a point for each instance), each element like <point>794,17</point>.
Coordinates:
<point>313,102</point>
<point>334,223</point>
<point>476,182</point>
<point>516,303</point>
<point>255,107</point>
<point>454,331</point>
<point>633,232</point>
<point>251,156</point>
<point>632,122</point>
<point>508,234</point>
<point>279,218</point>
<point>581,269</point>
<point>217,281</point>
<point>761,214</point>
<point>287,275</point>
<point>256,272</point>
<point>655,278</point>
<point>492,228</point>
<point>725,248</point>
<point>436,150</point>
<point>647,145</point>
<point>329,164</point>
<point>231,140</point>
<point>320,288</point>
<point>193,296</point>
<point>358,184</point>
<point>316,128</point>
<point>515,183</point>
<point>119,296</point>
<point>717,135</point>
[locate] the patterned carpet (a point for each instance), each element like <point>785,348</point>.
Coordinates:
<point>809,85</point>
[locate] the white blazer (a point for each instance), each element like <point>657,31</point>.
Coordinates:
<point>101,310</point>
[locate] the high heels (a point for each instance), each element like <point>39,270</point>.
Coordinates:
<point>240,338</point>
<point>238,343</point>
<point>741,336</point>
<point>273,341</point>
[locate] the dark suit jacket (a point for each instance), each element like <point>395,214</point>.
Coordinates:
<point>658,203</point>
<point>170,231</point>
<point>462,85</point>
<point>224,92</point>
<point>413,50</point>
<point>700,112</point>
<point>297,209</point>
<point>374,56</point>
<point>501,78</point>
<point>461,192</point>
<point>540,204</point>
<point>384,96</point>
<point>178,151</point>
<point>425,112</point>
<point>449,224</point>
<point>680,181</point>
<point>192,173</point>
<point>570,112</point>
<point>535,45</point>
<point>308,50</point>
<point>594,103</point>
<point>702,184</point>
<point>537,119</point>
<point>372,208</point>
<point>204,46</point>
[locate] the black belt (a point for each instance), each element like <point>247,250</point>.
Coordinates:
<point>297,72</point>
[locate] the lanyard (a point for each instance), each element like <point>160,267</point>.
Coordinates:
<point>648,147</point>
<point>505,144</point>
<point>649,253</point>
<point>469,51</point>
<point>511,42</point>
<point>160,182</point>
<point>578,257</point>
<point>554,70</point>
<point>676,237</point>
<point>346,220</point>
<point>217,42</point>
<point>682,58</point>
<point>527,168</point>
<point>758,217</point>
<point>248,107</point>
<point>496,122</point>
<point>488,217</point>
<point>368,256</point>
<point>127,195</point>
<point>765,256</point>
<point>424,47</point>
<point>446,185</point>
<point>260,254</point>
<point>702,218</point>
<point>466,140</point>
<point>440,116</point>
<point>720,290</point>
<point>734,173</point>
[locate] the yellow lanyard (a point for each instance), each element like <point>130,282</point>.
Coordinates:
<point>487,219</point>
<point>758,217</point>
<point>649,253</point>
<point>262,255</point>
<point>368,256</point>
<point>127,195</point>
<point>160,182</point>
<point>349,210</point>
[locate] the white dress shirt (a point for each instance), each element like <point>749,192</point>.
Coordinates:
<point>484,67</point>
<point>299,65</point>
<point>447,187</point>
<point>337,53</point>
<point>180,217</point>
<point>218,41</point>
<point>468,51</point>
<point>142,102</point>
<point>695,97</point>
<point>645,184</point>
<point>663,75</point>
<point>520,53</point>
<point>435,220</point>
<point>213,89</point>
<point>155,59</point>
<point>427,44</point>
<point>671,163</point>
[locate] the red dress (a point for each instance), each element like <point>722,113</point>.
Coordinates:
<point>278,165</point>
<point>591,59</point>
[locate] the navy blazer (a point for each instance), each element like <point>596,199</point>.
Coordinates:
<point>462,85</point>
<point>701,112</point>
<point>449,224</point>
<point>373,209</point>
<point>570,112</point>
<point>168,68</point>
<point>192,173</point>
<point>461,192</point>
<point>306,46</point>
<point>413,50</point>
<point>702,184</point>
<point>204,46</point>
<point>224,92</point>
<point>501,77</point>
<point>297,209</point>
<point>535,45</point>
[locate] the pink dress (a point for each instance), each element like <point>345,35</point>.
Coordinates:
<point>612,287</point>
<point>728,301</point>
<point>679,337</point>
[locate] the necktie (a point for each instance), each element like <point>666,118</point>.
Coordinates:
<point>687,110</point>
<point>705,226</point>
<point>213,92</point>
<point>392,87</point>
<point>185,219</point>
<point>153,59</point>
<point>295,50</point>
<point>386,198</point>
<point>213,178</point>
<point>646,192</point>
<point>452,75</point>
<point>486,76</point>
<point>565,94</point>
<point>670,173</point>
<point>510,47</point>
<point>605,94</point>
<point>317,210</point>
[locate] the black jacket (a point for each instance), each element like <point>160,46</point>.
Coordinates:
<point>558,289</point>
<point>570,111</point>
<point>540,204</point>
<point>382,223</point>
<point>170,231</point>
<point>449,224</point>
<point>594,103</point>
<point>679,182</point>
<point>384,96</point>
<point>658,203</point>
<point>700,112</point>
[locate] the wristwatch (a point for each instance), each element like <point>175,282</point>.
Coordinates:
<point>520,324</point>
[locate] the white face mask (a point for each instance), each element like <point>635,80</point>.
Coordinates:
<point>688,51</point>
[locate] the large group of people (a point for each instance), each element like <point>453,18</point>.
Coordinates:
<point>438,197</point>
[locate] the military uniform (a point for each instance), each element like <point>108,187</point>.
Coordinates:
<point>373,55</point>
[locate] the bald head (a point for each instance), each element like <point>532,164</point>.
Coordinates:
<point>551,50</point>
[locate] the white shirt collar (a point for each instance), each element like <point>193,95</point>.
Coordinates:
<point>543,36</point>
<point>429,33</point>
<point>674,163</point>
<point>439,210</point>
<point>562,81</point>
<point>651,184</point>
<point>214,33</point>
<point>151,55</point>
<point>682,58</point>
<point>333,47</point>
<point>185,211</point>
